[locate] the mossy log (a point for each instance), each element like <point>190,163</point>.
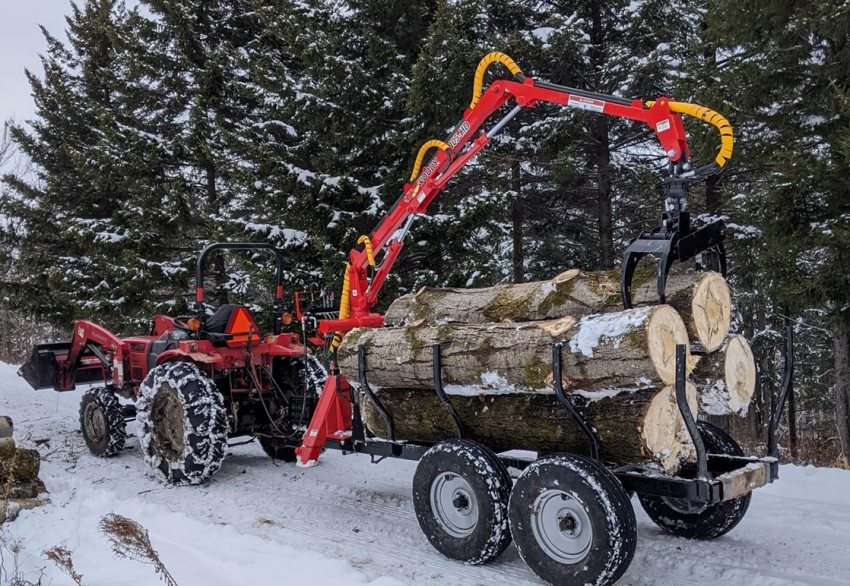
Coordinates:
<point>726,379</point>
<point>703,299</point>
<point>7,448</point>
<point>6,426</point>
<point>633,425</point>
<point>629,349</point>
<point>22,466</point>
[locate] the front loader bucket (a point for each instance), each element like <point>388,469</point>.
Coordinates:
<point>40,370</point>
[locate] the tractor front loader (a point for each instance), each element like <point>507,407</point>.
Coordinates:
<point>192,383</point>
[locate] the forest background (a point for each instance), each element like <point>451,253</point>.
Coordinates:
<point>170,124</point>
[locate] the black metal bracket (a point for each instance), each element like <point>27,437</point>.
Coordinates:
<point>364,386</point>
<point>772,445</point>
<point>441,392</point>
<point>565,401</point>
<point>687,416</point>
<point>676,239</point>
<point>670,245</point>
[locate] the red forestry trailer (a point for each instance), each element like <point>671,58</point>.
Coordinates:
<point>199,380</point>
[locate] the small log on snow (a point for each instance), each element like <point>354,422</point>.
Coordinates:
<point>633,425</point>
<point>726,379</point>
<point>7,448</point>
<point>22,466</point>
<point>6,426</point>
<point>624,350</point>
<point>703,299</point>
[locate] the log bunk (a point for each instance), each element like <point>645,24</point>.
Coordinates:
<point>496,365</point>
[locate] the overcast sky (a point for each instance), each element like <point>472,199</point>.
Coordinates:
<point>20,43</point>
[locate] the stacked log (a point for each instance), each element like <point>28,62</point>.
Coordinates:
<point>726,380</point>
<point>19,468</point>
<point>701,298</point>
<point>617,367</point>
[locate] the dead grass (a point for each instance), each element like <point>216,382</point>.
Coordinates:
<point>129,540</point>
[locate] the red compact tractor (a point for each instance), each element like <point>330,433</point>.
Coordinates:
<point>199,380</point>
<point>196,381</point>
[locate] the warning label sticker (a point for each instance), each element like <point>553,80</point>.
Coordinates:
<point>586,104</point>
<point>662,126</point>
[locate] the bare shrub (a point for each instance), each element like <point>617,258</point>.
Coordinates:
<point>131,541</point>
<point>61,556</point>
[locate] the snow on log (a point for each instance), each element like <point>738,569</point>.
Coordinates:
<point>633,348</point>
<point>726,379</point>
<point>703,299</point>
<point>637,425</point>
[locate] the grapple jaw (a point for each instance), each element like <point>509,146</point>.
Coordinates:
<point>675,240</point>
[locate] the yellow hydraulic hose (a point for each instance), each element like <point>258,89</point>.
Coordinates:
<point>344,307</point>
<point>495,57</point>
<point>367,243</point>
<point>417,166</point>
<point>712,117</point>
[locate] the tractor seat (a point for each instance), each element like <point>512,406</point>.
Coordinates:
<point>234,319</point>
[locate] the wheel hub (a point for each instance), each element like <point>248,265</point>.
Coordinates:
<point>454,504</point>
<point>561,526</point>
<point>166,418</point>
<point>94,423</point>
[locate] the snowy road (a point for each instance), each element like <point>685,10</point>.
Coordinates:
<point>350,522</point>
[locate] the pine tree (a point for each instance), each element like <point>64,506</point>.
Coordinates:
<point>784,64</point>
<point>87,230</point>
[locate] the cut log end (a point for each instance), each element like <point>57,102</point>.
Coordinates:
<point>711,310</point>
<point>726,379</point>
<point>740,367</point>
<point>664,431</point>
<point>665,330</point>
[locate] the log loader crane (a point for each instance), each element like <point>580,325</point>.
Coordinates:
<point>675,239</point>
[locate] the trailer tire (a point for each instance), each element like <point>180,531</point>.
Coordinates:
<point>460,495</point>
<point>694,520</point>
<point>572,521</point>
<point>102,422</point>
<point>181,423</point>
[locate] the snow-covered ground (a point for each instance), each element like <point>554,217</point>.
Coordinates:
<point>348,521</point>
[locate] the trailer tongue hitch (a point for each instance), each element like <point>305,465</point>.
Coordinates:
<point>676,239</point>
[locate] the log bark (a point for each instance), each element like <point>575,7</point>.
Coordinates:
<point>634,348</point>
<point>726,379</point>
<point>22,466</point>
<point>633,425</point>
<point>703,299</point>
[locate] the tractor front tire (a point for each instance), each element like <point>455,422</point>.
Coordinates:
<point>102,422</point>
<point>181,423</point>
<point>693,519</point>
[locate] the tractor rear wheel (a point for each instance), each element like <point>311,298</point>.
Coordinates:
<point>272,447</point>
<point>102,422</point>
<point>181,423</point>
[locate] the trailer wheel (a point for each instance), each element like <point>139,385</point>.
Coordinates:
<point>102,422</point>
<point>693,519</point>
<point>181,423</point>
<point>572,521</point>
<point>460,495</point>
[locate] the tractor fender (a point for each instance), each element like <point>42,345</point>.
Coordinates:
<point>177,355</point>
